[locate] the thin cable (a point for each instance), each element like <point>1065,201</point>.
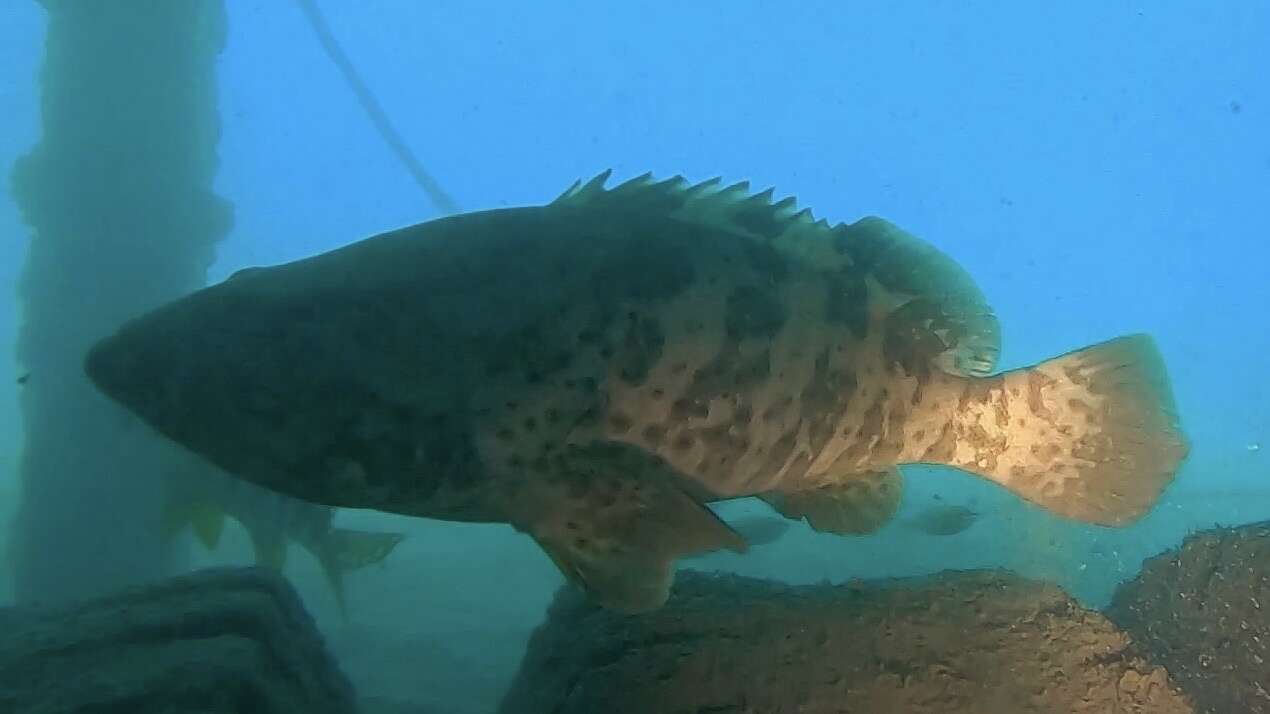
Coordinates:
<point>438,196</point>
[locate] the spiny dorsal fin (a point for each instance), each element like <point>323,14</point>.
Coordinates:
<point>940,294</point>
<point>733,207</point>
<point>581,193</point>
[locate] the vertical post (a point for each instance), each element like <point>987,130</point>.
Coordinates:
<point>118,196</point>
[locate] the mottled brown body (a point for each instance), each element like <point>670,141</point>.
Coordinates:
<point>594,370</point>
<point>792,400</point>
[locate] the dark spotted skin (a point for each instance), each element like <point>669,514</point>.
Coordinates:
<point>753,373</point>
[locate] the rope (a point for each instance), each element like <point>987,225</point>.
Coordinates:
<point>374,111</point>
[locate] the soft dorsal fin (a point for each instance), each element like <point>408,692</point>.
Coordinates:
<point>934,295</point>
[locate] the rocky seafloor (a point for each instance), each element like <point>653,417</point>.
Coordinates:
<point>953,642</point>
<point>1189,634</point>
<point>1203,612</point>
<point>218,641</point>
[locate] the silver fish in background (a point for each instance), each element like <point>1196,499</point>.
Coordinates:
<point>594,370</point>
<point>944,519</point>
<point>272,520</point>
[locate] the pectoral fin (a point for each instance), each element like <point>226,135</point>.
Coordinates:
<point>860,504</point>
<point>618,538</point>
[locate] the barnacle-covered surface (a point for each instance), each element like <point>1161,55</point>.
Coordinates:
<point>1203,610</point>
<point>220,640</point>
<point>956,642</point>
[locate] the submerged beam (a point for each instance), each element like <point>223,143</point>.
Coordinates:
<point>118,196</point>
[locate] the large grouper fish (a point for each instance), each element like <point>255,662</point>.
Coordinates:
<point>594,371</point>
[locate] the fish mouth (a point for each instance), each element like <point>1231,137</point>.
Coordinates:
<point>97,361</point>
<point>110,367</point>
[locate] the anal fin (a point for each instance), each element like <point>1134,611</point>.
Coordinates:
<point>618,537</point>
<point>858,505</point>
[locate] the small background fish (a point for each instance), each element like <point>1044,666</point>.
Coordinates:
<point>943,519</point>
<point>272,520</point>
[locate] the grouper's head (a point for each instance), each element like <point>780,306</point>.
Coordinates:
<point>333,378</point>
<point>207,370</point>
<point>279,376</point>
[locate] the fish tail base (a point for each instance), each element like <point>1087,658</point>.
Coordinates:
<point>1092,435</point>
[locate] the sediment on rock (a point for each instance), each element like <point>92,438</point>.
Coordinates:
<point>955,642</point>
<point>1203,611</point>
<point>220,640</point>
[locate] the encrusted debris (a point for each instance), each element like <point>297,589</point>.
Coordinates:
<point>1203,611</point>
<point>228,641</point>
<point>955,642</point>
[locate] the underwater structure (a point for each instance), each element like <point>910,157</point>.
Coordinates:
<point>118,195</point>
<point>220,640</point>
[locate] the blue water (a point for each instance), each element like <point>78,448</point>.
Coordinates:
<point>1100,168</point>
